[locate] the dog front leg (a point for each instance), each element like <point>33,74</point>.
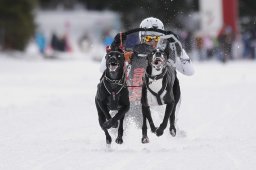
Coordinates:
<point>119,139</point>
<point>102,119</point>
<point>147,112</point>
<point>101,115</point>
<point>108,137</point>
<point>176,93</point>
<point>104,108</point>
<point>121,113</point>
<point>145,138</point>
<point>101,105</point>
<point>172,129</point>
<point>168,111</point>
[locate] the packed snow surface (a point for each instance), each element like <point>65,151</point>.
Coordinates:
<point>48,120</point>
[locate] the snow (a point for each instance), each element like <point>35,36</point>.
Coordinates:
<point>48,119</point>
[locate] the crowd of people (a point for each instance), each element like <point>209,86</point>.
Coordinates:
<point>57,43</point>
<point>227,45</point>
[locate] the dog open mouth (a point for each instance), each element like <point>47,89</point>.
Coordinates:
<point>158,63</point>
<point>113,66</point>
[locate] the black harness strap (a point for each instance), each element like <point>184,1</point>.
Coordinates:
<point>157,77</point>
<point>112,92</point>
<point>158,94</point>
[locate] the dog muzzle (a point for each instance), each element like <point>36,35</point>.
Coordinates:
<point>158,62</point>
<point>113,66</point>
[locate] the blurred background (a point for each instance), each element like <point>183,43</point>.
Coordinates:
<point>210,30</point>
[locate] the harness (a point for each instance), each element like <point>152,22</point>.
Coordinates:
<point>163,76</point>
<point>156,77</point>
<point>113,92</point>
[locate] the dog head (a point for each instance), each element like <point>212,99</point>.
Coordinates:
<point>158,59</point>
<point>114,61</point>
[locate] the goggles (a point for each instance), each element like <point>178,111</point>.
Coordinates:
<point>149,38</point>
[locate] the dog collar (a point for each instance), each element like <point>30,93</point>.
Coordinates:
<point>157,76</point>
<point>118,82</point>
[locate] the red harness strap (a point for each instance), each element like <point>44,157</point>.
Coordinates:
<point>121,42</point>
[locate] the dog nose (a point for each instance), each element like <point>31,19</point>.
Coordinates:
<point>158,54</point>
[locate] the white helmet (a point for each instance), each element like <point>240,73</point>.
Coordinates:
<point>151,22</point>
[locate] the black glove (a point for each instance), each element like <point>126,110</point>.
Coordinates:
<point>117,40</point>
<point>178,49</point>
<point>176,42</point>
<point>173,49</point>
<point>171,40</point>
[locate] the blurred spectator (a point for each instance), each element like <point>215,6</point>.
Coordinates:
<point>85,42</point>
<point>253,43</point>
<point>209,46</point>
<point>226,39</point>
<point>59,43</point>
<point>238,47</point>
<point>200,50</point>
<point>188,42</point>
<point>67,42</point>
<point>54,41</point>
<point>107,39</point>
<point>246,37</point>
<point>41,42</point>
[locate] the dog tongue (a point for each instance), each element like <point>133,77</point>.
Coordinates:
<point>113,67</point>
<point>158,62</point>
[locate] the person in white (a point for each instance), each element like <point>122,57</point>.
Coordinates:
<point>181,62</point>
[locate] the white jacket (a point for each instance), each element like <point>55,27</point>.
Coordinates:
<point>183,64</point>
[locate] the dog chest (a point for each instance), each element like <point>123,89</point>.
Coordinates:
<point>155,86</point>
<point>113,102</point>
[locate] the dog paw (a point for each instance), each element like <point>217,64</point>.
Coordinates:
<point>145,139</point>
<point>108,124</point>
<point>172,131</point>
<point>153,129</point>
<point>159,132</point>
<point>108,140</point>
<point>115,125</point>
<point>119,140</point>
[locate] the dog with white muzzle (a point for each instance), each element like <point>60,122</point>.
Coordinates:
<point>160,87</point>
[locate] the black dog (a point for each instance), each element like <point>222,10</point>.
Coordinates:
<point>160,86</point>
<point>112,94</point>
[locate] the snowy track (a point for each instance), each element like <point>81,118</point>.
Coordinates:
<point>48,120</point>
